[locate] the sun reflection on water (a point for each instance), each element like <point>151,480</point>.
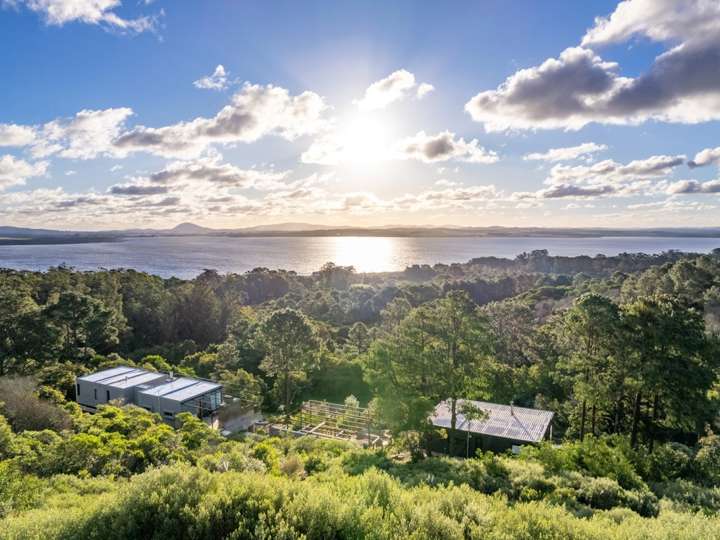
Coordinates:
<point>366,254</point>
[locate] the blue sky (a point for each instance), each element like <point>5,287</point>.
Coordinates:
<point>151,113</point>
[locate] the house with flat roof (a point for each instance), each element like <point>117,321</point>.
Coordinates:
<point>481,425</point>
<point>162,393</point>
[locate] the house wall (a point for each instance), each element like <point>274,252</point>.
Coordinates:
<point>486,443</point>
<point>92,394</point>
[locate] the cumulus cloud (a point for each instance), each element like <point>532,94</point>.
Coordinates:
<point>14,171</point>
<point>15,135</point>
<point>424,89</point>
<point>560,191</point>
<point>579,87</point>
<point>392,88</point>
<point>606,178</point>
<point>98,12</point>
<point>614,172</point>
<point>395,87</point>
<point>87,135</point>
<point>693,186</point>
<point>213,171</point>
<point>217,81</point>
<point>444,146</point>
<point>463,197</point>
<point>254,112</point>
<point>567,153</point>
<point>705,157</point>
<point>658,20</point>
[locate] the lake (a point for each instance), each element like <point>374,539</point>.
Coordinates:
<point>185,257</point>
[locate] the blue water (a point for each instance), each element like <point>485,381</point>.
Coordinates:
<point>185,257</point>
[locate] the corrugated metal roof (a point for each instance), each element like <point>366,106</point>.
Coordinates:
<point>182,389</point>
<point>517,423</point>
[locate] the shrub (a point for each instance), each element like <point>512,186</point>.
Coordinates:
<point>707,459</point>
<point>670,461</point>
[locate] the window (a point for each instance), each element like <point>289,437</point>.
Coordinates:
<point>77,387</point>
<point>168,414</point>
<point>107,395</point>
<point>95,393</point>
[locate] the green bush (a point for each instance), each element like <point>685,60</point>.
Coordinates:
<point>186,502</point>
<point>669,462</point>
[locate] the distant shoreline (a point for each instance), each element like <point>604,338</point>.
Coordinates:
<point>44,241</point>
<point>93,237</point>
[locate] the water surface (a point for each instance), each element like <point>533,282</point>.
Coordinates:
<point>185,257</point>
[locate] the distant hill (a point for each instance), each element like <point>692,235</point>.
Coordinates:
<point>24,235</point>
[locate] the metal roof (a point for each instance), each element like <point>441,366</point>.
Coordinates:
<point>182,389</point>
<point>100,376</point>
<point>136,379</point>
<point>505,421</point>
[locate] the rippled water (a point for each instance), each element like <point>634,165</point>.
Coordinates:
<point>186,257</point>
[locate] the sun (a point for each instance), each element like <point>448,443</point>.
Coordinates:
<point>365,139</point>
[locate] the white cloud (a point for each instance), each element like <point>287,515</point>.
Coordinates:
<point>659,20</point>
<point>424,89</point>
<point>579,87</point>
<point>392,88</point>
<point>606,178</point>
<point>217,81</point>
<point>137,188</point>
<point>693,187</point>
<point>566,153</point>
<point>15,135</point>
<point>444,146</point>
<point>463,197</point>
<point>98,12</point>
<point>559,191</point>
<point>614,172</point>
<point>14,171</point>
<point>87,135</point>
<point>705,157</point>
<point>212,171</point>
<point>254,112</point>
<point>444,182</point>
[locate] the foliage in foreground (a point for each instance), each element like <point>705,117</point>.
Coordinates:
<point>188,502</point>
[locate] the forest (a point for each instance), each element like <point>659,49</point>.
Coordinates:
<point>625,350</point>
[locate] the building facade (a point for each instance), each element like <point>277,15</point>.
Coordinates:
<point>161,393</point>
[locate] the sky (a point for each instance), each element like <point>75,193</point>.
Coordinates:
<point>149,113</point>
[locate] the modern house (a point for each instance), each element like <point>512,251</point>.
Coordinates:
<point>492,426</point>
<point>162,393</point>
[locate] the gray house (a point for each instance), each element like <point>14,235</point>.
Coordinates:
<point>161,393</point>
<point>498,427</point>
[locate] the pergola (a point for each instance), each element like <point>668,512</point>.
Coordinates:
<point>339,422</point>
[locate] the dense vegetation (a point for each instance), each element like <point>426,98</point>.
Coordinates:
<point>624,350</point>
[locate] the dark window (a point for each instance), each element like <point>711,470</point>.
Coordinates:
<point>168,414</point>
<point>95,393</point>
<point>107,395</point>
<point>78,388</point>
